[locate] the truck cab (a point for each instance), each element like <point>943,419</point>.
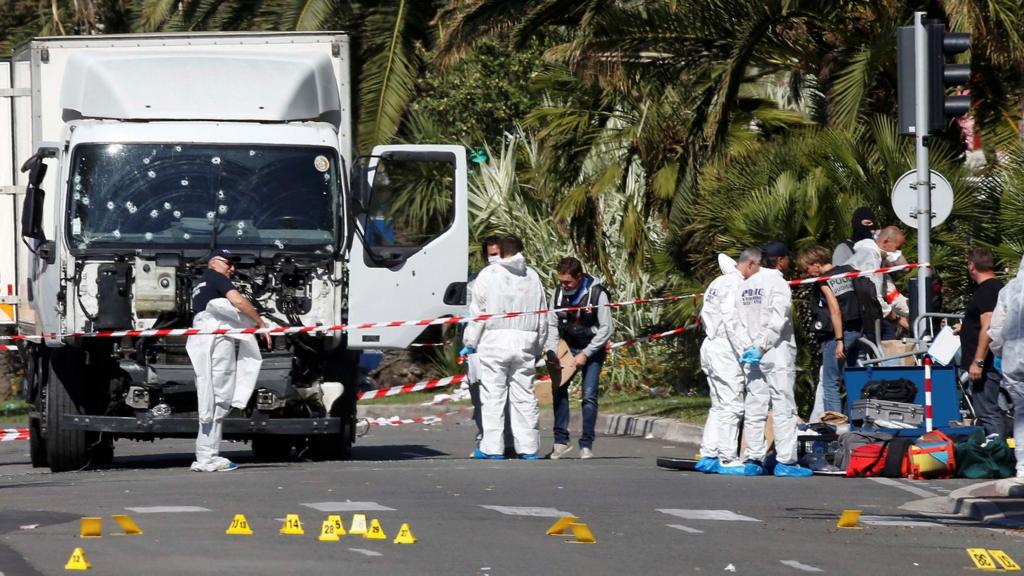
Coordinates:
<point>146,153</point>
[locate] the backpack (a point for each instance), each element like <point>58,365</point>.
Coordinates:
<point>870,309</point>
<point>898,390</point>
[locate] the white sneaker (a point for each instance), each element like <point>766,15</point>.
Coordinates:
<point>586,453</point>
<point>559,450</point>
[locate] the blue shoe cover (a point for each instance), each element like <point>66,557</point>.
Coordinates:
<point>747,469</point>
<point>792,471</point>
<point>707,465</point>
<point>530,456</point>
<point>481,456</point>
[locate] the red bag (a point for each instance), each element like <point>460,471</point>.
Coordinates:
<point>867,460</point>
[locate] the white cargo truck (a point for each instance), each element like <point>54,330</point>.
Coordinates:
<point>135,156</point>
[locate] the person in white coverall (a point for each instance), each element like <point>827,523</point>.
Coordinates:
<point>765,303</point>
<point>720,361</point>
<point>1006,331</point>
<point>224,379</point>
<point>507,350</point>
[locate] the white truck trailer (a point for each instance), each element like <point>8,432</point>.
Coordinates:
<point>133,156</point>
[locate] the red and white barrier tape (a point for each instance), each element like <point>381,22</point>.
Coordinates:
<point>286,330</point>
<point>8,347</point>
<point>650,337</point>
<point>430,344</point>
<point>396,421</point>
<point>12,434</point>
<point>410,388</point>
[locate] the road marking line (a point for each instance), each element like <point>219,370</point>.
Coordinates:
<point>686,529</point>
<point>366,552</point>
<point>799,566</point>
<point>528,511</point>
<point>902,486</point>
<point>167,509</point>
<point>726,515</point>
<point>897,521</point>
<point>347,506</point>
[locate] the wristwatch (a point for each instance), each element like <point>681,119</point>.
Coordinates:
<point>979,363</point>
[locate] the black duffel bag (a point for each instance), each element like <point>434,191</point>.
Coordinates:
<point>899,390</point>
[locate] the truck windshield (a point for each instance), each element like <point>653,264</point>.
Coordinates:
<point>181,195</point>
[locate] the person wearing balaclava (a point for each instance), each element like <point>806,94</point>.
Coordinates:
<point>864,226</point>
<point>1006,331</point>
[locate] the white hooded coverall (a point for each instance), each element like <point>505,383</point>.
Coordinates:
<point>765,301</point>
<point>719,360</point>
<point>222,381</point>
<point>507,350</point>
<point>1007,333</point>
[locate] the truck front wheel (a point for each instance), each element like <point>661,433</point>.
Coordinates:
<point>34,381</point>
<point>65,449</point>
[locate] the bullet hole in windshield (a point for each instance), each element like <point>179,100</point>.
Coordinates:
<point>239,232</point>
<point>167,205</point>
<point>131,207</point>
<point>177,213</point>
<point>110,204</point>
<point>149,236</point>
<point>215,159</point>
<point>145,160</point>
<point>177,148</point>
<point>117,234</point>
<point>151,174</point>
<point>85,200</point>
<point>210,215</point>
<point>77,196</point>
<point>184,181</point>
<point>154,213</point>
<point>329,248</point>
<point>186,236</point>
<point>252,152</point>
<point>222,209</point>
<point>220,194</point>
<point>279,244</point>
<point>78,178</point>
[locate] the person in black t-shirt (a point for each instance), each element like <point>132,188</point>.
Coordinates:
<point>975,356</point>
<point>836,321</point>
<point>226,366</point>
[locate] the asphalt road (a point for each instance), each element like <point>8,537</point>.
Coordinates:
<point>470,517</point>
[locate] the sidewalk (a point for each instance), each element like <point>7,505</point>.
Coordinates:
<point>996,502</point>
<point>665,429</point>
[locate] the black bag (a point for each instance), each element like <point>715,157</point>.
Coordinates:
<point>870,309</point>
<point>894,458</point>
<point>899,390</point>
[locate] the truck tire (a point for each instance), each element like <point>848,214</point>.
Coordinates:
<point>37,398</point>
<point>65,449</point>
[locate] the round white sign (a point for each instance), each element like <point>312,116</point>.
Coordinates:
<point>904,198</point>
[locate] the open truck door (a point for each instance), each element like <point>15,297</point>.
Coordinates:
<point>409,255</point>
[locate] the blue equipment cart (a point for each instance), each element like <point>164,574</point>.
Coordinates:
<point>945,395</point>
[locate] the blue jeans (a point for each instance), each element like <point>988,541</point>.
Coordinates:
<point>560,394</point>
<point>832,369</point>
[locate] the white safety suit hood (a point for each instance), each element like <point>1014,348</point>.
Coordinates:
<point>515,264</point>
<point>726,264</point>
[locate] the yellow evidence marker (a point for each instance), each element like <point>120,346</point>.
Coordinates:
<point>375,531</point>
<point>561,525</point>
<point>582,534</point>
<point>405,535</point>
<point>91,527</point>
<point>1003,558</point>
<point>981,559</point>
<point>849,519</point>
<point>328,533</point>
<point>358,524</point>
<point>239,526</point>
<point>339,526</point>
<point>292,526</point>
<point>128,524</point>
<point>78,561</point>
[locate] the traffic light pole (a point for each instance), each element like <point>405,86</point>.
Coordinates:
<point>924,184</point>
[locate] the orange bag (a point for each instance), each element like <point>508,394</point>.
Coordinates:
<point>933,455</point>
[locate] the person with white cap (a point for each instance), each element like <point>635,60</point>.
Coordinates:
<point>1006,331</point>
<point>765,304</point>
<point>508,350</point>
<point>719,359</point>
<point>224,379</point>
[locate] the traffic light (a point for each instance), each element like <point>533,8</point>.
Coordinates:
<point>941,75</point>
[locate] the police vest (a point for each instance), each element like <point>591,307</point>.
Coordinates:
<point>577,327</point>
<point>849,304</point>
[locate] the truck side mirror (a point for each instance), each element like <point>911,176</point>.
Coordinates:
<point>360,186</point>
<point>32,209</point>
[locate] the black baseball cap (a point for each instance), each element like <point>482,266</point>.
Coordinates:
<point>221,253</point>
<point>775,249</point>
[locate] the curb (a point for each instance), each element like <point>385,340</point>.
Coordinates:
<point>665,429</point>
<point>997,502</point>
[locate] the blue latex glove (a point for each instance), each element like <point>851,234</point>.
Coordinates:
<point>751,356</point>
<point>997,363</point>
<point>467,350</point>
